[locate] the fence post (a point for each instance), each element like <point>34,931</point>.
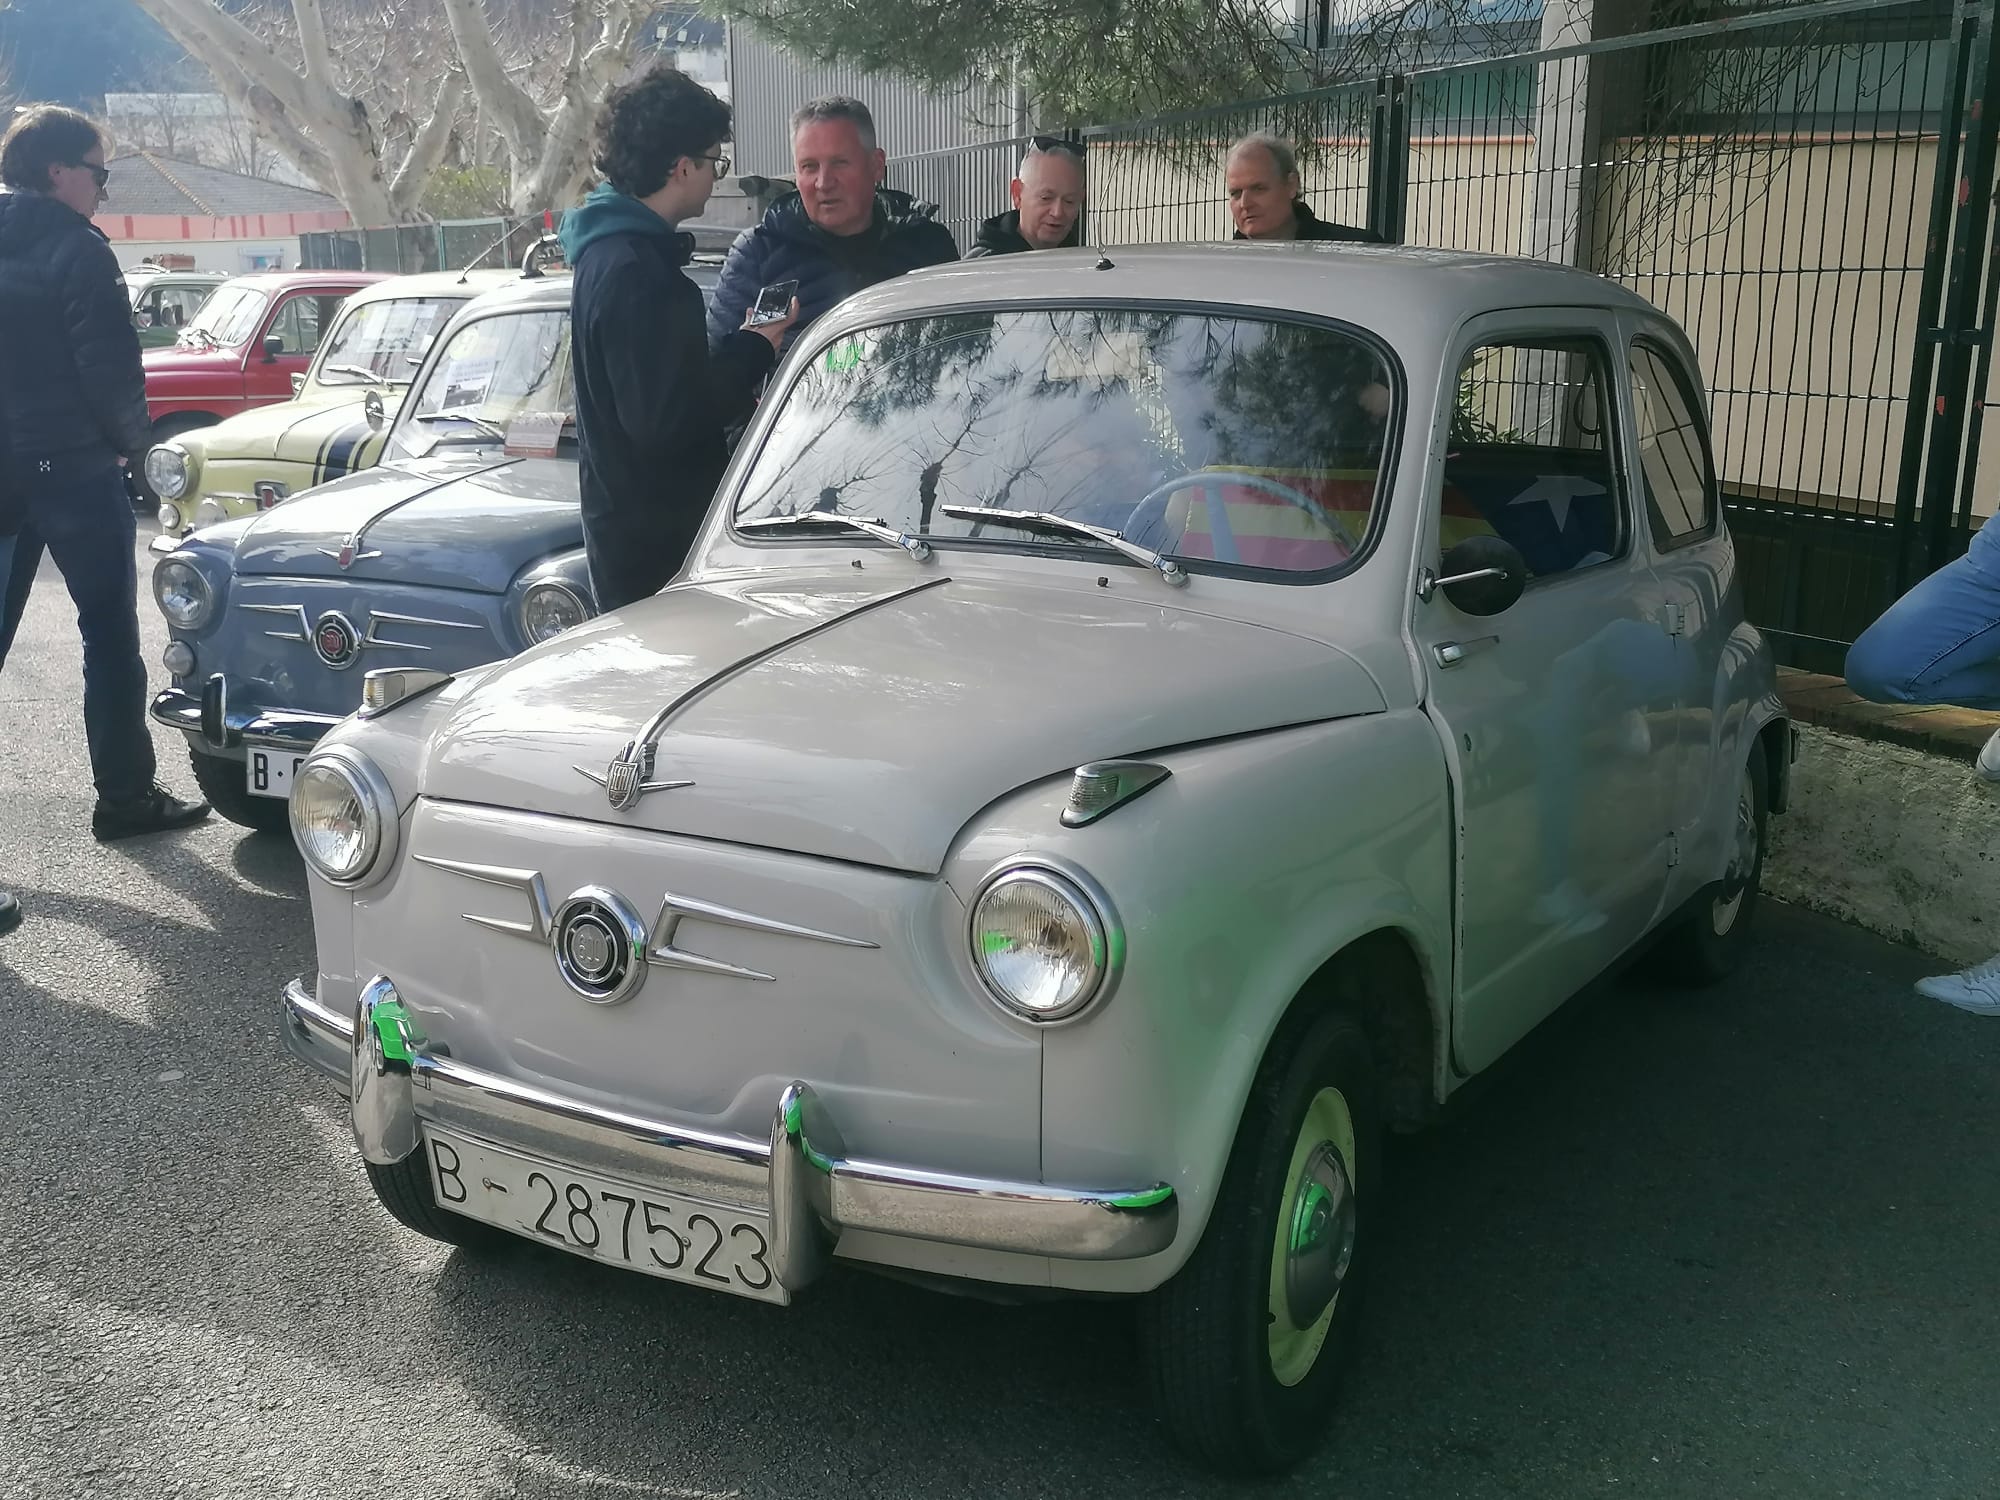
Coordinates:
<point>1958,333</point>
<point>1918,415</point>
<point>1389,157</point>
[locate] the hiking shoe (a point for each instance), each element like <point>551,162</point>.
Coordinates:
<point>156,812</point>
<point>10,913</point>
<point>1988,764</point>
<point>1976,989</point>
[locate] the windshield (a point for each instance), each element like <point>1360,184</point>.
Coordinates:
<point>495,370</point>
<point>383,340</point>
<point>1253,444</point>
<point>229,316</point>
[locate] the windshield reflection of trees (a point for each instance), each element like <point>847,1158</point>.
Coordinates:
<point>1077,411</point>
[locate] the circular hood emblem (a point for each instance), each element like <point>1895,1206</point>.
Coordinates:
<point>600,946</point>
<point>335,641</point>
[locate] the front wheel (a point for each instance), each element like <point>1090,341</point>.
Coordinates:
<point>404,1189</point>
<point>221,782</point>
<point>1705,946</point>
<point>1244,1347</point>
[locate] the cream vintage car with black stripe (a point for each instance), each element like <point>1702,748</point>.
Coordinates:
<point>335,424</point>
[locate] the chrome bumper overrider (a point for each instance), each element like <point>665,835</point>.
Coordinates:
<point>221,728</point>
<point>801,1176</point>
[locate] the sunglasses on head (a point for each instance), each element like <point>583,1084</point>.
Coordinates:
<point>1044,144</point>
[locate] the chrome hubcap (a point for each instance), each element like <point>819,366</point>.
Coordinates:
<point>1313,1247</point>
<point>1742,861</point>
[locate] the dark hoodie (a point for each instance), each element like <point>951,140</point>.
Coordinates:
<point>1311,227</point>
<point>72,388</point>
<point>652,402</point>
<point>1001,235</point>
<point>788,246</point>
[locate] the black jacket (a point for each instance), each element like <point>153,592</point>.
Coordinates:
<point>1001,235</point>
<point>71,384</point>
<point>1312,227</point>
<point>788,246</point>
<point>652,401</point>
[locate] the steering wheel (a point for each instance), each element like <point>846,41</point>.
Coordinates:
<point>1216,479</point>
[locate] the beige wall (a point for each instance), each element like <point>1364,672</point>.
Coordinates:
<point>1794,268</point>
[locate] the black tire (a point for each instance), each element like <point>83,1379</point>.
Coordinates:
<point>1210,1335</point>
<point>405,1191</point>
<point>221,782</point>
<point>1706,943</point>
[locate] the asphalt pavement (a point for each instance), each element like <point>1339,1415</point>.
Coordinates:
<point>1736,1243</point>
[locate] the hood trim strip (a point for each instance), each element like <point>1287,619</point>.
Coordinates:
<point>639,750</point>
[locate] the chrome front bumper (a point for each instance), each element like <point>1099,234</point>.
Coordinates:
<point>801,1175</point>
<point>223,730</point>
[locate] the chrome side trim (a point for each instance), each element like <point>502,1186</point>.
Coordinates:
<point>370,640</point>
<point>529,882</point>
<point>303,634</point>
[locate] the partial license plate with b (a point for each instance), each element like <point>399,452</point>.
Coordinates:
<point>271,771</point>
<point>659,1234</point>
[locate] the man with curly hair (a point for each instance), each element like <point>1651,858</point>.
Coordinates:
<point>652,400</point>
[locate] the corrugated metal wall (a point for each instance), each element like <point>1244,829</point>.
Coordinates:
<point>767,84</point>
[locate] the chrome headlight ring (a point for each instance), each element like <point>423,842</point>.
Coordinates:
<point>1032,917</point>
<point>182,592</point>
<point>167,470</point>
<point>340,786</point>
<point>548,607</point>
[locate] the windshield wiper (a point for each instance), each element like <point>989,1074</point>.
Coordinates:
<point>362,370</point>
<point>486,425</point>
<point>1044,520</point>
<point>873,526</point>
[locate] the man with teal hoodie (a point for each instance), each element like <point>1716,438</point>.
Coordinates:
<point>652,400</point>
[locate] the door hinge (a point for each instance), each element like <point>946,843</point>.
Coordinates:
<point>1677,619</point>
<point>1673,850</point>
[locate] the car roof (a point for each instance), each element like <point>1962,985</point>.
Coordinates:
<point>436,284</point>
<point>283,281</point>
<point>550,289</point>
<point>1394,290</point>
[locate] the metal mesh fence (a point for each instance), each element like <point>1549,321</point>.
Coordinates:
<point>451,246</point>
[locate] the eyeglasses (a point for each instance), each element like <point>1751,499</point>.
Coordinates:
<point>101,175</point>
<point>1042,145</point>
<point>720,163</point>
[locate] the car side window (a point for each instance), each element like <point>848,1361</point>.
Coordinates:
<point>1675,461</point>
<point>297,324</point>
<point>180,303</point>
<point>1529,457</point>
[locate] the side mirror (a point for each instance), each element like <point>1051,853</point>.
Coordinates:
<point>1482,576</point>
<point>298,382</point>
<point>372,409</point>
<point>273,347</point>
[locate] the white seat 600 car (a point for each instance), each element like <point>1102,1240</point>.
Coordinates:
<point>1134,729</point>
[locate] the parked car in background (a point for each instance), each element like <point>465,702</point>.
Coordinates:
<point>1134,730</point>
<point>338,422</point>
<point>164,302</point>
<point>241,349</point>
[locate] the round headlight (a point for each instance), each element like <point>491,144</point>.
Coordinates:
<point>182,593</point>
<point>167,471</point>
<point>210,513</point>
<point>548,609</point>
<point>1040,943</point>
<point>342,815</point>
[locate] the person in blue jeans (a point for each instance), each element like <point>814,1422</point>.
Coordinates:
<point>73,411</point>
<point>1940,643</point>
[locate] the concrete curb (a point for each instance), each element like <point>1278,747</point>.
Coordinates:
<point>1903,842</point>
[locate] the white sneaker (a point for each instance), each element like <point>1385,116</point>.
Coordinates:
<point>1976,989</point>
<point>1988,764</point>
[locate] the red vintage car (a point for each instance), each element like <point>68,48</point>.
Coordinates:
<point>243,347</point>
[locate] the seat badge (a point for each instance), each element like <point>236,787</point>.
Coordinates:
<point>630,776</point>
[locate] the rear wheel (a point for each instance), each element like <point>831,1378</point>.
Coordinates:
<point>1705,945</point>
<point>221,782</point>
<point>1245,1346</point>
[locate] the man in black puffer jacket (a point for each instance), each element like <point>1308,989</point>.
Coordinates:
<point>841,231</point>
<point>73,408</point>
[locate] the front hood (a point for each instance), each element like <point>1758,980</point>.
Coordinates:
<point>863,721</point>
<point>296,430</point>
<point>179,362</point>
<point>461,518</point>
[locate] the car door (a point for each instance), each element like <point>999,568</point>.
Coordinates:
<point>295,322</point>
<point>1547,709</point>
<point>1673,470</point>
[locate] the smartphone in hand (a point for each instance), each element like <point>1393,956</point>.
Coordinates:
<point>773,302</point>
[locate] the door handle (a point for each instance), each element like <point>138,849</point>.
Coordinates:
<point>1451,653</point>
